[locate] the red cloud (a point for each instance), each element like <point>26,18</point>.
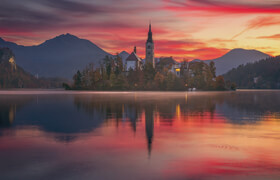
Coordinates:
<point>203,53</point>
<point>222,7</point>
<point>178,49</point>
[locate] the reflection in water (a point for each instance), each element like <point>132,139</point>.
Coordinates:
<point>149,121</point>
<point>196,135</point>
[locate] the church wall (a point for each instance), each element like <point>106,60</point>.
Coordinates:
<point>130,65</point>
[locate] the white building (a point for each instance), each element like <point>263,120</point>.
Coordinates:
<point>176,69</point>
<point>133,61</point>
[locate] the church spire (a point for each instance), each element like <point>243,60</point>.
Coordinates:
<point>150,34</point>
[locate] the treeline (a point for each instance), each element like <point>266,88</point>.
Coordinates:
<point>264,74</point>
<point>111,75</point>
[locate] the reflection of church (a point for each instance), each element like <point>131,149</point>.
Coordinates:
<point>133,61</point>
<point>149,122</point>
<point>132,114</point>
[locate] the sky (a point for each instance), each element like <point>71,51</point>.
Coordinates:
<point>183,29</point>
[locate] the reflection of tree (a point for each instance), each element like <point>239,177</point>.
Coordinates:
<point>9,105</point>
<point>128,107</point>
<point>57,114</point>
<point>249,106</point>
<point>112,108</point>
<point>254,101</point>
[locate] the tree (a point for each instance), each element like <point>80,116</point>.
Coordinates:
<point>77,80</point>
<point>149,72</point>
<point>212,69</point>
<point>159,81</point>
<point>170,81</point>
<point>113,80</point>
<point>220,83</point>
<point>119,65</point>
<point>233,87</point>
<point>108,65</point>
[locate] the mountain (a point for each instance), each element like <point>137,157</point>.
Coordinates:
<point>13,76</point>
<point>236,57</point>
<point>264,74</point>
<point>124,55</point>
<point>61,56</point>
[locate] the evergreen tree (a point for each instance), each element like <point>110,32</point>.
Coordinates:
<point>213,69</point>
<point>77,80</point>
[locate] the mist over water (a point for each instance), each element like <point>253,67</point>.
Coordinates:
<point>139,135</point>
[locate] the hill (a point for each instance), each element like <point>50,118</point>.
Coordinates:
<point>61,56</point>
<point>124,55</point>
<point>13,76</point>
<point>234,58</point>
<point>264,74</point>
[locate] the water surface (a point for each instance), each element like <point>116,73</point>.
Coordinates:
<point>68,135</point>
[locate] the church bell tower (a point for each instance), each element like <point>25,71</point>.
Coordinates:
<point>150,48</point>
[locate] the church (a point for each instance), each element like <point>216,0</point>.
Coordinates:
<point>133,61</point>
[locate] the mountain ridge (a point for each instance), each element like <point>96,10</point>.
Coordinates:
<point>234,58</point>
<point>49,58</point>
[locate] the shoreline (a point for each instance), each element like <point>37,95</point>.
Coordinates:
<point>62,91</point>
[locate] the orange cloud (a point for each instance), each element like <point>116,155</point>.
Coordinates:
<point>273,37</point>
<point>259,23</point>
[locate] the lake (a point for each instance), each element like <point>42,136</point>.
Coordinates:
<point>65,135</point>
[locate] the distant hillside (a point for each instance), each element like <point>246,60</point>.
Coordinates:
<point>61,56</point>
<point>264,74</point>
<point>13,76</point>
<point>234,58</point>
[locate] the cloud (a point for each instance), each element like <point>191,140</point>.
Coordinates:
<point>117,25</point>
<point>203,53</point>
<point>77,7</point>
<point>259,23</point>
<point>273,37</point>
<point>225,7</point>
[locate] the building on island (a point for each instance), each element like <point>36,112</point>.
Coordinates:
<point>176,69</point>
<point>133,61</point>
<point>169,63</point>
<point>150,48</point>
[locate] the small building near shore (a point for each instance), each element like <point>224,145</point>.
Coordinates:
<point>133,61</point>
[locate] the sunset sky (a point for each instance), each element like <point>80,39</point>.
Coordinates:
<point>202,29</point>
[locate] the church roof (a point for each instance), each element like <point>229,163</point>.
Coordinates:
<point>133,57</point>
<point>150,35</point>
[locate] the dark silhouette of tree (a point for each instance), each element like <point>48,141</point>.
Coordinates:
<point>264,74</point>
<point>220,83</point>
<point>77,80</point>
<point>212,69</point>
